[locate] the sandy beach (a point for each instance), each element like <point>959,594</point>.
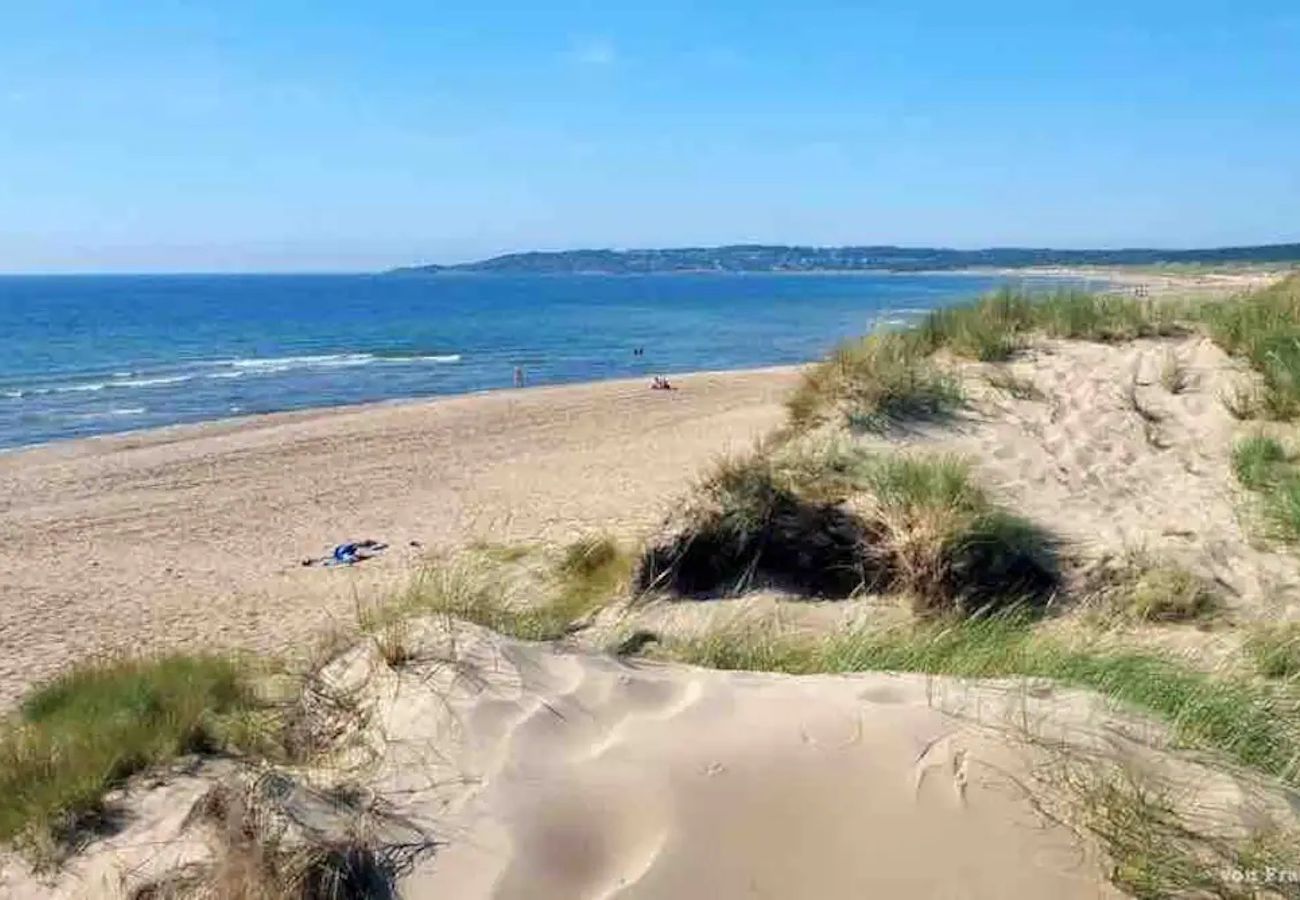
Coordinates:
<point>193,536</point>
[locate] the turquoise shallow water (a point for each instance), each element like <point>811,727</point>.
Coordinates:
<point>92,355</point>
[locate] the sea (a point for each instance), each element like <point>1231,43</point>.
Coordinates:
<point>90,355</point>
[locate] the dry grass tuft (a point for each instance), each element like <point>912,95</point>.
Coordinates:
<point>1142,588</point>
<point>1174,375</point>
<point>1275,650</point>
<point>535,596</point>
<point>1003,379</point>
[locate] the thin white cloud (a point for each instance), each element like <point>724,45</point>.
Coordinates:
<point>593,52</point>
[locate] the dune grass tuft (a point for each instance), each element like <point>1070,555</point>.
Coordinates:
<point>1145,589</point>
<point>876,381</point>
<point>1174,376</point>
<point>84,733</point>
<point>1170,594</point>
<point>539,605</point>
<point>1264,467</point>
<point>949,546</point>
<point>1257,461</point>
<point>1263,327</point>
<point>759,520</point>
<point>592,570</point>
<point>1275,650</point>
<point>1155,851</point>
<point>1252,724</point>
<point>832,520</point>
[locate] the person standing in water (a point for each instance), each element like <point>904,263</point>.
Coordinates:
<point>519,376</point>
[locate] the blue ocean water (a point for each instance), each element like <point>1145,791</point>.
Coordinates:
<point>89,355</point>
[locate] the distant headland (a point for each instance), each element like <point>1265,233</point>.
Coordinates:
<point>783,258</point>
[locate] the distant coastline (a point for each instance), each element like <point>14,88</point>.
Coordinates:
<point>787,259</point>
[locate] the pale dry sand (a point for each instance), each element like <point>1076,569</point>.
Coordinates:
<point>1115,463</point>
<point>192,536</point>
<point>493,768</point>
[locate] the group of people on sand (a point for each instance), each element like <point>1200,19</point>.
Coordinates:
<point>659,384</point>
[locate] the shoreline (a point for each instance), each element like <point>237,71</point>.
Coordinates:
<point>241,421</point>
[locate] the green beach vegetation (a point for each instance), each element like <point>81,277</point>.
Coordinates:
<point>1263,328</point>
<point>522,592</point>
<point>1266,469</point>
<point>86,732</point>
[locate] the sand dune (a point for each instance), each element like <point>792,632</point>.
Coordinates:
<point>192,536</point>
<point>1113,478</point>
<point>494,768</point>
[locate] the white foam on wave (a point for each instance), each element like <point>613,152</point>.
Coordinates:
<point>444,358</point>
<point>296,362</point>
<point>150,382</point>
<point>233,368</point>
<point>112,413</point>
<point>273,364</point>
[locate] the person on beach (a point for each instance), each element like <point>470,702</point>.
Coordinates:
<point>519,376</point>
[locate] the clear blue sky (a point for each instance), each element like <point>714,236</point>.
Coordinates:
<point>313,136</point>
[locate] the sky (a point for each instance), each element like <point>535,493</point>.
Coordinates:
<point>313,136</point>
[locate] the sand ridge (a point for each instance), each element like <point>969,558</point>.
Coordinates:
<point>499,768</point>
<point>541,772</point>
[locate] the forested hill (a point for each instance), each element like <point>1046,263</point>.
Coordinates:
<point>778,258</point>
